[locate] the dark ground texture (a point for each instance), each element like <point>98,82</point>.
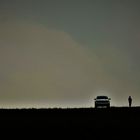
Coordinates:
<point>113,122</point>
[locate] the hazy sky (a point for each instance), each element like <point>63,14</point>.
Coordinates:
<point>63,53</point>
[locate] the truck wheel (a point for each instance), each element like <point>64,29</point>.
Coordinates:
<point>95,106</point>
<point>108,106</point>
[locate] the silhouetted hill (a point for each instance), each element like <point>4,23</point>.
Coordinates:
<point>82,121</point>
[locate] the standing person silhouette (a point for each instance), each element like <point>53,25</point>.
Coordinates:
<point>130,101</point>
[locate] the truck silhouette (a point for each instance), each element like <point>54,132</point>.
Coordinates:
<point>102,101</point>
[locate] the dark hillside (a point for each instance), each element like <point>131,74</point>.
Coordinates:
<point>75,121</point>
<point>90,117</point>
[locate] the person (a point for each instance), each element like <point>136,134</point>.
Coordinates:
<point>130,101</point>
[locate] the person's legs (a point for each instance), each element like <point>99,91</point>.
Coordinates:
<point>130,104</point>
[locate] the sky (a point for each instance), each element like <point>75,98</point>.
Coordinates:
<point>63,53</point>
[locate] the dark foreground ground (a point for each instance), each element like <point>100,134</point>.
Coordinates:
<point>82,122</point>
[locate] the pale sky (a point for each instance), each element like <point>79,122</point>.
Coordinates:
<point>63,53</point>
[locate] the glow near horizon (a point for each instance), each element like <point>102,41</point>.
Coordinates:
<point>47,62</point>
